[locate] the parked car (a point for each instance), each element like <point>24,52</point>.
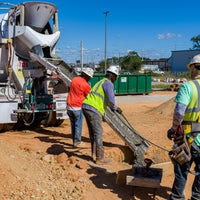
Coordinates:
<point>158,71</point>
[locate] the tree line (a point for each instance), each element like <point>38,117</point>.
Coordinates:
<point>130,62</point>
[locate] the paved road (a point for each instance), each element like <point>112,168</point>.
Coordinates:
<point>144,98</point>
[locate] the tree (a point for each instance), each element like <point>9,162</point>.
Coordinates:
<point>131,62</point>
<point>196,42</point>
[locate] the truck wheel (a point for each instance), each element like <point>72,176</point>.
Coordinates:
<point>52,121</point>
<point>33,120</point>
<point>58,122</point>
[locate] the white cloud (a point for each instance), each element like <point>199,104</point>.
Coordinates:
<point>168,36</point>
<point>97,49</point>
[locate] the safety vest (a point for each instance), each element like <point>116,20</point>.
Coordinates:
<point>193,109</point>
<point>97,97</point>
<point>192,112</point>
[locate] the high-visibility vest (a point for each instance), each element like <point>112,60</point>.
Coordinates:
<point>97,97</point>
<point>192,112</point>
<point>193,109</point>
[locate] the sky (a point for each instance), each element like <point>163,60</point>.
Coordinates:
<point>151,28</point>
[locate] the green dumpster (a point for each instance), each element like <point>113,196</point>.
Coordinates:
<point>129,84</point>
<point>95,79</point>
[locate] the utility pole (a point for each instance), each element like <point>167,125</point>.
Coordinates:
<point>105,52</point>
<point>81,55</point>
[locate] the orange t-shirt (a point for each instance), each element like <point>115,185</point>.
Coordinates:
<point>79,89</point>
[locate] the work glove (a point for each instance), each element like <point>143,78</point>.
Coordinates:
<point>171,133</point>
<point>119,110</point>
<point>179,139</point>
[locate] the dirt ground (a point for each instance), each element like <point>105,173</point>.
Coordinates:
<point>42,164</point>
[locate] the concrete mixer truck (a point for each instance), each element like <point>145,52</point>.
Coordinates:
<point>33,80</point>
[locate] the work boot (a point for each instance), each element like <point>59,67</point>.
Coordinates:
<point>79,145</point>
<point>100,159</point>
<point>93,150</point>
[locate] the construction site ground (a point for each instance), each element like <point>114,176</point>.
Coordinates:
<point>42,163</point>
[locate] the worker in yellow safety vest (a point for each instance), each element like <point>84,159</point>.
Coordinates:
<point>187,116</point>
<point>94,107</point>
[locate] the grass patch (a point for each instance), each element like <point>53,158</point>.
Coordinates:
<point>161,86</point>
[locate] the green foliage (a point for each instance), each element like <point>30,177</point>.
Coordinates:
<point>179,75</point>
<point>161,86</point>
<point>196,42</point>
<point>131,62</point>
<point>146,59</point>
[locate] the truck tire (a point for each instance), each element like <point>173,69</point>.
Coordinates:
<point>58,122</point>
<point>52,121</point>
<point>33,120</point>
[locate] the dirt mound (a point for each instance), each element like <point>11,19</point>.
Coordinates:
<point>165,109</point>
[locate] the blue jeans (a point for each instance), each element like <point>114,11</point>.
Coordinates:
<point>94,123</point>
<point>181,172</point>
<point>76,119</point>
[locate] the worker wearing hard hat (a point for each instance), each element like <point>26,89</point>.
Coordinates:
<point>187,116</point>
<point>79,89</point>
<point>94,107</point>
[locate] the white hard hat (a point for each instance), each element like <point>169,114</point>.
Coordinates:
<point>194,60</point>
<point>88,71</point>
<point>113,69</point>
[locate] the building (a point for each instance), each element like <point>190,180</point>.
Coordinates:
<point>162,64</point>
<point>179,59</point>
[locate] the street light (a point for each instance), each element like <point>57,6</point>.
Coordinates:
<point>105,52</point>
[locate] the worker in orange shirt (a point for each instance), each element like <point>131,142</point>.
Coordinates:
<point>79,89</point>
